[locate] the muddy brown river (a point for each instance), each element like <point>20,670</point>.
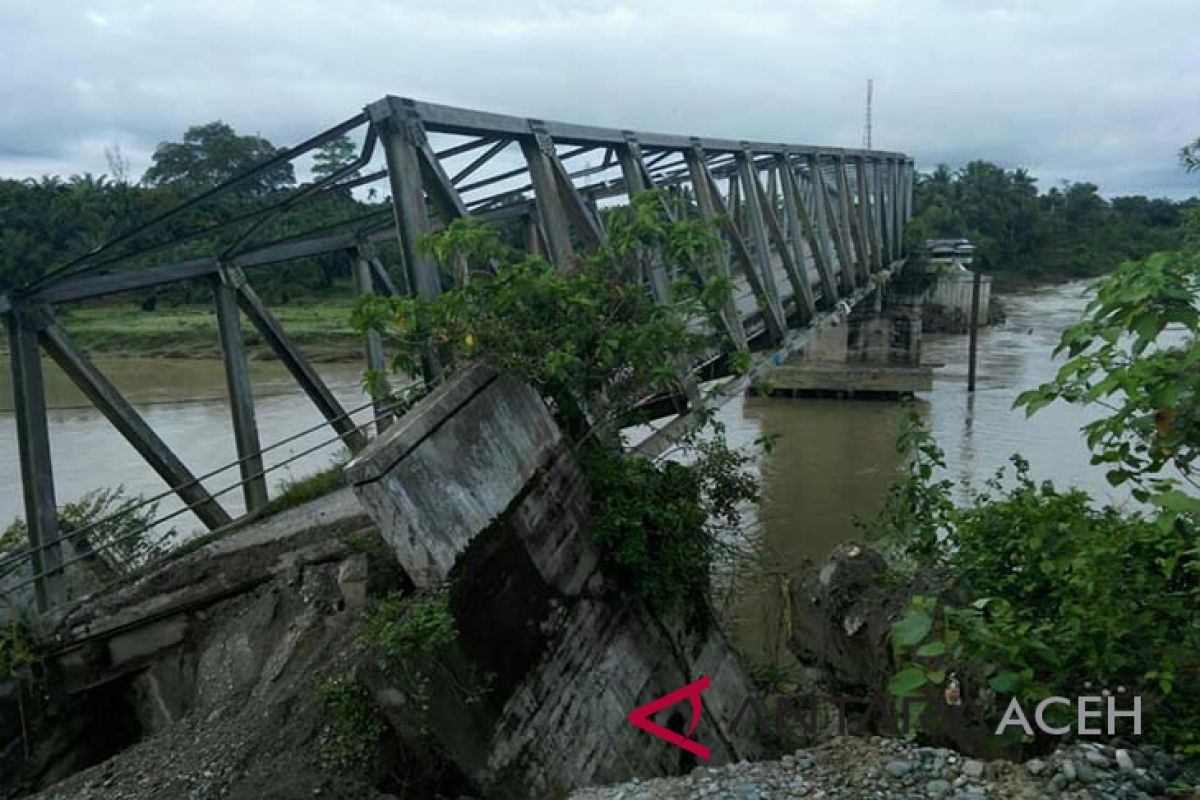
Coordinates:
<point>833,461</point>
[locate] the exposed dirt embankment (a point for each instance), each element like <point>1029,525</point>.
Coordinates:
<point>203,680</point>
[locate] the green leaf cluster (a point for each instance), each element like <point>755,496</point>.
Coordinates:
<point>594,341</point>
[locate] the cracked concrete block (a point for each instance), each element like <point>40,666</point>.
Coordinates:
<point>352,580</point>
<point>453,464</point>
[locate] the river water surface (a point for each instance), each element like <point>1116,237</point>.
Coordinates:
<point>833,461</point>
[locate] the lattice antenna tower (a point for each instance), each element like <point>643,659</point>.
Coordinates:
<point>867,126</point>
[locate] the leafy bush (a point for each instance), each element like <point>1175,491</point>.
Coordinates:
<point>400,626</point>
<point>1050,594</point>
<point>118,539</point>
<point>1137,355</point>
<point>594,341</point>
<point>414,637</point>
<point>351,738</point>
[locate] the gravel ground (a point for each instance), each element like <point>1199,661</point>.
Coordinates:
<point>857,768</point>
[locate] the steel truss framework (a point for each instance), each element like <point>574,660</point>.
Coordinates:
<point>806,227</point>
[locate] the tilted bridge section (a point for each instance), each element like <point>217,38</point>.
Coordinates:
<point>809,231</point>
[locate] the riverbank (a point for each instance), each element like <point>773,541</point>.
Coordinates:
<point>321,327</point>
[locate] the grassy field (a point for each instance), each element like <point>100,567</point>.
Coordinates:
<point>320,326</point>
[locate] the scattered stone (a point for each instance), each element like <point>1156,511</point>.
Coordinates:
<point>850,768</point>
<point>937,788</point>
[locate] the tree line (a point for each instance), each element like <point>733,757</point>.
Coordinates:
<point>1068,231</point>
<point>50,220</point>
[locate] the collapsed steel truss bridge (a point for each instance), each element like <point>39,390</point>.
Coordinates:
<point>806,228</point>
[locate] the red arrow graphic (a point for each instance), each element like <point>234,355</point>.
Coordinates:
<point>640,717</point>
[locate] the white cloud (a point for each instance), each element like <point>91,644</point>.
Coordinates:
<point>1099,90</point>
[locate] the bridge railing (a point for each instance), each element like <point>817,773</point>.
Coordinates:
<point>805,226</point>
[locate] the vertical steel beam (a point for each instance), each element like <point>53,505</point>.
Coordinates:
<point>291,357</point>
<point>546,197</point>
<point>533,233</point>
<point>795,228</point>
<point>846,201</point>
<point>864,212</point>
<point>793,197</point>
<point>241,395</point>
<point>828,221</point>
<point>581,213</point>
<point>33,448</point>
<point>875,217</point>
<point>839,212</point>
<point>372,342</point>
<point>401,136</point>
<point>757,229</point>
<point>888,199</point>
<point>880,211</point>
<point>776,326</point>
<point>637,180</point>
<point>797,275</point>
<point>701,187</point>
<point>882,201</point>
<point>380,278</point>
<point>404,139</point>
<point>909,210</point>
<point>109,401</point>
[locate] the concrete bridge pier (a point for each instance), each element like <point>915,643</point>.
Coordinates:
<point>871,352</point>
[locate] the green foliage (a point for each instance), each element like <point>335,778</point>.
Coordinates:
<point>296,492</point>
<point>917,510</point>
<point>590,338</point>
<point>1189,156</point>
<point>117,542</point>
<point>334,155</point>
<point>415,638</point>
<point>660,524</point>
<point>49,222</point>
<point>1068,231</point>
<point>351,738</point>
<point>1136,355</point>
<point>18,654</point>
<point>594,342</point>
<point>404,625</point>
<point>1049,594</point>
<point>212,154</point>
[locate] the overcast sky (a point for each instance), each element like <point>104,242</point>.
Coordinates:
<point>1103,90</point>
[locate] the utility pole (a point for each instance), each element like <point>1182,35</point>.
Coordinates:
<point>973,340</point>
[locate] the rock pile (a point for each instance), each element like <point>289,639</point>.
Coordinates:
<point>859,768</point>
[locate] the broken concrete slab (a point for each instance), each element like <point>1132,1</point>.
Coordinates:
<point>482,490</point>
<point>455,462</point>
